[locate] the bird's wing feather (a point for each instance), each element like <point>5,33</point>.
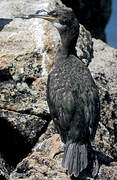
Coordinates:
<point>61,105</point>
<point>94,111</point>
<point>77,106</point>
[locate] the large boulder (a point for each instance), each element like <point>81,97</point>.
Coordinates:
<point>4,174</point>
<point>104,70</point>
<point>26,57</point>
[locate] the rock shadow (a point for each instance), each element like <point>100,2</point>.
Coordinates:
<point>3,22</point>
<point>13,146</point>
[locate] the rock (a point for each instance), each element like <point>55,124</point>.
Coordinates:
<point>103,68</point>
<point>27,51</point>
<point>41,165</point>
<point>4,174</point>
<point>94,15</point>
<point>22,130</point>
<point>13,8</point>
<point>29,125</point>
<point>108,172</point>
<point>28,48</point>
<point>84,46</point>
<point>26,57</point>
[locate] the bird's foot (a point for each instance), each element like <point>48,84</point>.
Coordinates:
<point>58,152</point>
<point>93,165</point>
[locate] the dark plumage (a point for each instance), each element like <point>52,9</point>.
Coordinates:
<point>72,97</point>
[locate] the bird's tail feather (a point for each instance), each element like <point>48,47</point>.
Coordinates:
<point>75,158</point>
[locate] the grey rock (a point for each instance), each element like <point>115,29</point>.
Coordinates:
<point>23,70</point>
<point>103,68</point>
<point>27,125</point>
<point>84,46</point>
<point>4,174</point>
<point>11,9</point>
<point>41,165</point>
<point>25,53</point>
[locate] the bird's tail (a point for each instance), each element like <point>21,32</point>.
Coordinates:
<point>75,158</point>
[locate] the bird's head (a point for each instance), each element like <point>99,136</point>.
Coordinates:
<point>61,18</point>
<point>64,20</point>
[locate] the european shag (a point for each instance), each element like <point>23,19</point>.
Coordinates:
<point>72,96</point>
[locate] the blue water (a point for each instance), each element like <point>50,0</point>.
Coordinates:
<point>111,28</point>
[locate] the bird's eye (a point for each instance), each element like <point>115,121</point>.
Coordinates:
<point>42,12</point>
<point>53,13</point>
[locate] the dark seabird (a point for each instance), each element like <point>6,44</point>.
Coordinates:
<point>72,97</point>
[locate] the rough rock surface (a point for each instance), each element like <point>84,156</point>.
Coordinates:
<point>41,164</point>
<point>4,174</point>
<point>84,46</point>
<point>94,15</point>
<point>27,51</point>
<point>26,57</point>
<point>104,71</point>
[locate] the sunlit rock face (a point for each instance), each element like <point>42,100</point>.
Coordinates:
<point>27,51</point>
<point>103,68</point>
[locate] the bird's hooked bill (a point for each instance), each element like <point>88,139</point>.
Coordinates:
<point>42,14</point>
<point>45,17</point>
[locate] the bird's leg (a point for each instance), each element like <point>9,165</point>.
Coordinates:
<point>59,151</point>
<point>93,164</point>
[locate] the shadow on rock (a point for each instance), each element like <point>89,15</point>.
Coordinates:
<point>3,22</point>
<point>13,145</point>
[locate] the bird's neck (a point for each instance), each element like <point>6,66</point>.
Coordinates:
<point>66,42</point>
<point>61,55</point>
<point>66,48</point>
<point>62,51</point>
